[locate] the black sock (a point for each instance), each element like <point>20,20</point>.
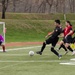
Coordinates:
<point>70,48</point>
<point>44,45</point>
<point>54,51</point>
<point>62,46</point>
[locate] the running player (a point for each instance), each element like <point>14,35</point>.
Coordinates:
<point>68,32</point>
<point>2,43</point>
<point>53,39</point>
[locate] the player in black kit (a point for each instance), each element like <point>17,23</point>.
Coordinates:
<point>53,39</point>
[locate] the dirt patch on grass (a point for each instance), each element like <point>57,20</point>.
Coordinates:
<point>12,44</point>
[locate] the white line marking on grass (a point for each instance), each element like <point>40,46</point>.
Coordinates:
<point>35,61</point>
<point>21,62</point>
<point>68,63</point>
<point>23,48</point>
<point>73,59</point>
<point>14,54</point>
<point>13,49</point>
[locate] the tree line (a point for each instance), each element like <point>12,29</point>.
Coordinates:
<point>38,6</point>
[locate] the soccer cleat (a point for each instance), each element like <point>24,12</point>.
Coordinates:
<point>39,52</point>
<point>66,52</point>
<point>4,51</point>
<point>60,56</point>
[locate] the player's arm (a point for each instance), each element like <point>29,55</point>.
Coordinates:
<point>49,34</point>
<point>61,35</point>
<point>71,31</point>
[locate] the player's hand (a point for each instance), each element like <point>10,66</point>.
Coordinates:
<point>66,36</point>
<point>46,36</point>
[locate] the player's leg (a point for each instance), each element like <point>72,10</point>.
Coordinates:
<point>52,48</point>
<point>3,46</point>
<point>48,41</point>
<point>54,51</point>
<point>42,48</point>
<point>67,44</point>
<point>62,45</point>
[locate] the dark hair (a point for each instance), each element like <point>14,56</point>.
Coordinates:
<point>69,23</point>
<point>57,21</point>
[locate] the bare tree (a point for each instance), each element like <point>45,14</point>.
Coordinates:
<point>4,7</point>
<point>71,3</point>
<point>14,5</point>
<point>50,3</point>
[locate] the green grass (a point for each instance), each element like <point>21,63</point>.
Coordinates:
<point>39,16</point>
<point>70,16</point>
<point>34,16</point>
<point>29,30</point>
<point>33,27</point>
<point>20,63</point>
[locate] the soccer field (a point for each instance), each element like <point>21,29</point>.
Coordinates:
<point>16,61</point>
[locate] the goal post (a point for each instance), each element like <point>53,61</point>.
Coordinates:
<point>64,16</point>
<point>2,30</point>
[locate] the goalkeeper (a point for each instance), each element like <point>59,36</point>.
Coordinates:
<point>2,43</point>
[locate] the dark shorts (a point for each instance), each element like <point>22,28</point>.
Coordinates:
<point>68,39</point>
<point>1,42</point>
<point>52,41</point>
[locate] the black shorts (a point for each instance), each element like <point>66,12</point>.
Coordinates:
<point>1,42</point>
<point>52,41</point>
<point>68,39</point>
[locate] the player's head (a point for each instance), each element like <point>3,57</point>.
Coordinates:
<point>68,23</point>
<point>57,22</point>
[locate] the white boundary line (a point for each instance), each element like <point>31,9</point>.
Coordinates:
<point>21,62</point>
<point>68,63</point>
<point>14,49</point>
<point>73,59</point>
<point>22,48</point>
<point>33,61</point>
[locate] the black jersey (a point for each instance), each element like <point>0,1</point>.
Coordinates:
<point>57,31</point>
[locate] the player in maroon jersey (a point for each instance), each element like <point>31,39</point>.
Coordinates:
<point>67,39</point>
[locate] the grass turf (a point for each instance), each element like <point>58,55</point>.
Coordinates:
<point>18,62</point>
<point>29,30</point>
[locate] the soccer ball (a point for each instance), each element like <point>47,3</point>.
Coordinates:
<point>31,53</point>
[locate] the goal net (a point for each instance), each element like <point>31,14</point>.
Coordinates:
<point>2,30</point>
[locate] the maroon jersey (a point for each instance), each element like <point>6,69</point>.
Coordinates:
<point>67,30</point>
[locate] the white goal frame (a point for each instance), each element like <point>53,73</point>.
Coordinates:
<point>4,30</point>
